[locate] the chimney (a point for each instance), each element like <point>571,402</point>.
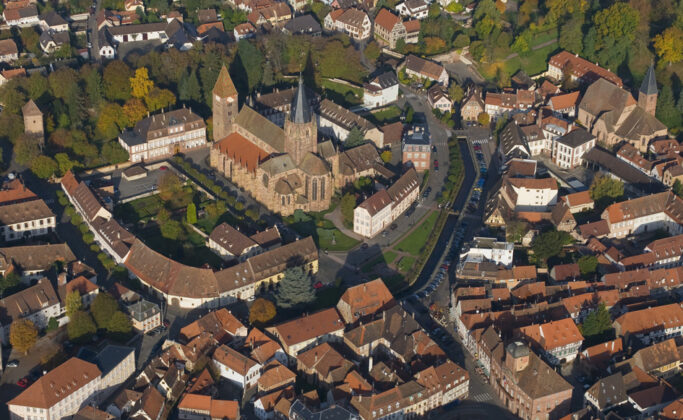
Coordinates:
<point>61,279</point>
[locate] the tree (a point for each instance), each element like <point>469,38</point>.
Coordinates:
<point>8,282</point>
<point>372,51</point>
<point>23,335</point>
<point>159,98</point>
<point>140,85</point>
<point>596,323</point>
<point>483,119</point>
<point>455,92</point>
<point>103,308</point>
<point>44,167</point>
<point>550,244</point>
<point>52,324</point>
<point>588,264</point>
<point>252,62</point>
<point>116,81</point>
<point>113,153</point>
<point>348,204</point>
<point>677,188</point>
<point>604,190</point>
<point>354,138</point>
<point>64,164</point>
<point>571,36</point>
<point>295,288</point>
<point>515,230</point>
<point>618,21</point>
<point>119,323</point>
<point>191,213</point>
<point>30,39</point>
<point>188,87</point>
<point>81,326</point>
<point>172,229</point>
<point>169,186</point>
<point>261,312</point>
<point>73,303</point>
<point>461,41</point>
<point>666,111</point>
<point>112,120</point>
<point>386,156</point>
<point>134,110</point>
<point>26,150</point>
<point>669,45</point>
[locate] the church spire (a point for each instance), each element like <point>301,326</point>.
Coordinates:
<point>649,85</point>
<point>224,86</point>
<point>301,108</point>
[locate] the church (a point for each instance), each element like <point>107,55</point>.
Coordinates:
<point>284,168</point>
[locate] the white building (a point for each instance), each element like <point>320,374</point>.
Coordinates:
<point>37,304</point>
<point>489,249</point>
<point>236,367</point>
<point>382,208</point>
<point>649,213</point>
<point>413,9</point>
<point>559,341</point>
<point>380,91</point>
<point>21,16</point>
<point>570,148</point>
<point>117,364</point>
<point>437,96</point>
<point>353,22</point>
<point>58,394</point>
<point>532,194</point>
<point>23,214</point>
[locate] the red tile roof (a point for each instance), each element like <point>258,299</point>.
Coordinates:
<point>242,151</point>
<point>582,68</point>
<point>553,334</point>
<point>646,320</point>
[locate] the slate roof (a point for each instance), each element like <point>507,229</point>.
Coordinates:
<point>609,391</point>
<point>27,301</point>
<point>576,138</point>
<point>649,85</point>
<point>303,24</point>
<point>35,257</point>
<point>261,127</point>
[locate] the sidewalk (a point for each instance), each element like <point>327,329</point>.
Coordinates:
<point>336,218</point>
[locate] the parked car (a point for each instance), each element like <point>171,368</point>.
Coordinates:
<point>436,165</point>
<point>23,382</point>
<point>13,363</point>
<point>393,226</point>
<point>364,245</point>
<point>318,285</point>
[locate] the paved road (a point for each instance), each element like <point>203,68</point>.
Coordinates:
<point>93,36</point>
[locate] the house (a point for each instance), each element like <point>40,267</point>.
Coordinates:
<point>382,208</point>
<point>302,333</point>
<point>163,135</point>
<point>416,149</point>
<point>413,9</point>
<point>565,104</point>
<point>236,367</point>
<point>221,324</point>
<point>526,385</point>
<point>558,341</point>
<point>512,144</point>
<point>21,16</point>
<point>323,366</point>
<point>8,51</point>
<point>651,324</point>
<point>52,21</point>
<point>276,14</point>
<point>438,98</point>
<point>364,300</point>
<point>196,407</point>
<point>651,212</point>
<point>229,243</point>
<point>570,148</point>
<point>578,202</point>
<point>244,31</point>
<point>337,122</point>
<point>144,315</point>
<point>353,22</point>
<point>472,104</point>
<point>389,28</point>
<point>303,25</point>
<point>263,349</point>
<point>381,90</point>
<point>91,413</point>
<point>508,103</point>
<point>607,392</point>
<point>51,41</point>
<point>578,70</point>
<point>597,358</point>
<point>530,194</point>
<point>85,288</point>
<point>37,304</point>
<point>565,272</point>
<point>150,406</point>
<point>489,249</point>
<point>275,376</point>
<point>31,261</point>
<point>207,15</point>
<point>661,360</point>
<point>6,75</point>
<point>424,69</point>
<point>59,393</point>
<point>299,411</point>
<point>612,115</point>
<point>116,364</point>
<point>22,213</point>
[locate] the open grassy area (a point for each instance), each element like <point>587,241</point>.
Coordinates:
<point>342,94</point>
<point>384,258</point>
<point>414,242</point>
<point>323,231</point>
<point>386,115</point>
<point>405,264</point>
<point>140,209</point>
<point>189,249</point>
<point>532,62</point>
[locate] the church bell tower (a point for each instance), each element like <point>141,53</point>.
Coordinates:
<point>301,130</point>
<point>224,105</point>
<point>647,95</point>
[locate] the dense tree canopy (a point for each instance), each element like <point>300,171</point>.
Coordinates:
<point>550,244</point>
<point>295,288</point>
<point>23,335</point>
<point>261,312</point>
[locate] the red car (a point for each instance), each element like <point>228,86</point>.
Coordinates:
<point>23,382</point>
<point>436,164</point>
<point>317,285</point>
<point>163,168</point>
<point>166,323</point>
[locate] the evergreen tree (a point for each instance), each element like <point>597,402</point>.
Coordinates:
<point>596,323</point>
<point>188,87</point>
<point>191,213</point>
<point>295,288</point>
<point>354,138</point>
<point>667,111</point>
<point>588,264</point>
<point>550,244</point>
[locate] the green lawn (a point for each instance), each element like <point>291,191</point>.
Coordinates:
<point>342,94</point>
<point>405,264</point>
<point>414,242</point>
<point>189,249</point>
<point>386,115</point>
<point>385,258</point>
<point>140,209</point>
<point>323,232</point>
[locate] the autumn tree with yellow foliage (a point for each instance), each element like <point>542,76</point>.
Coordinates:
<point>669,45</point>
<point>140,84</point>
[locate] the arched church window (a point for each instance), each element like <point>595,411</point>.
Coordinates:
<point>315,189</point>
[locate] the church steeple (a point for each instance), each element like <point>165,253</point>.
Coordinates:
<point>647,96</point>
<point>301,108</point>
<point>224,106</point>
